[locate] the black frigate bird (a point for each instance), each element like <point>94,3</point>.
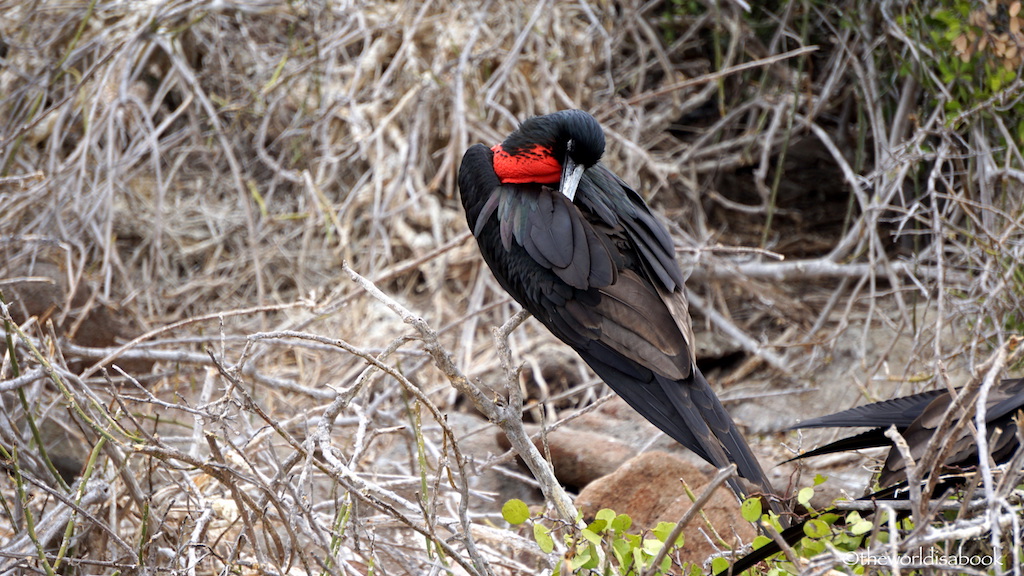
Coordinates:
<point>916,418</point>
<point>580,250</point>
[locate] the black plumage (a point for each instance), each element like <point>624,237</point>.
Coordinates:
<point>581,251</point>
<point>916,418</point>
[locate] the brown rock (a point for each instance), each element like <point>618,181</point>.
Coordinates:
<point>649,488</point>
<point>39,288</point>
<point>34,290</point>
<point>580,457</point>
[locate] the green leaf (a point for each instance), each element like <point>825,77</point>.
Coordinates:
<point>816,528</point>
<point>621,523</point>
<point>819,479</point>
<point>773,519</point>
<point>829,518</point>
<point>847,541</point>
<point>804,495</point>
<point>664,529</point>
<point>760,540</point>
<point>813,548</point>
<point>606,514</point>
<point>591,536</point>
<point>621,548</point>
<point>652,545</point>
<point>861,527</point>
<point>579,560</point>
<point>751,509</point>
<point>543,537</point>
<point>639,562</point>
<point>594,558</point>
<point>515,511</point>
<point>719,565</point>
<point>995,82</point>
<point>945,73</point>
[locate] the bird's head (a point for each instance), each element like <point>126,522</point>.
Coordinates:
<point>552,148</point>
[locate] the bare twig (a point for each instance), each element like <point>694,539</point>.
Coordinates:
<point>509,416</point>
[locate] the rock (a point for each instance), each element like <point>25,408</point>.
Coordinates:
<point>39,288</point>
<point>579,457</point>
<point>649,490</point>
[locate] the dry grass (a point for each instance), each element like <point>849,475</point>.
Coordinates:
<point>182,181</point>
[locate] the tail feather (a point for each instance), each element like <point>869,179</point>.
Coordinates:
<point>874,438</point>
<point>723,430</point>
<point>899,412</point>
<point>689,412</point>
<point>916,418</point>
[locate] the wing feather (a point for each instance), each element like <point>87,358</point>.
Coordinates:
<point>636,323</point>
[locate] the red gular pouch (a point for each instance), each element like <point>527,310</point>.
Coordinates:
<point>525,166</point>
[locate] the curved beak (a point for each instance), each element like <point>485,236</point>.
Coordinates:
<point>572,173</point>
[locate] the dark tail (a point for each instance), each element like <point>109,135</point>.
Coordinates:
<point>689,412</point>
<point>713,428</point>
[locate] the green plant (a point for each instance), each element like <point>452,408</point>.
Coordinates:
<point>828,531</point>
<point>978,51</point>
<point>864,545</point>
<point>605,546</point>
